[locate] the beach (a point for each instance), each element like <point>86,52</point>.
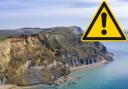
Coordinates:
<point>9,86</point>
<point>98,64</point>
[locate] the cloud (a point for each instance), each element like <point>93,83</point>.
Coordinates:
<point>123,0</point>
<point>10,5</point>
<point>48,13</point>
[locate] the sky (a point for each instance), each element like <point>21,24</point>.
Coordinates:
<point>51,13</point>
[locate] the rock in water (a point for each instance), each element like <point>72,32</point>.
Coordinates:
<point>46,55</point>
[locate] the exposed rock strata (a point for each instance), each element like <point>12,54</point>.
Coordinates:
<point>41,58</point>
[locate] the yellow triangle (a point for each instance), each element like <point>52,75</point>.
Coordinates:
<point>103,27</point>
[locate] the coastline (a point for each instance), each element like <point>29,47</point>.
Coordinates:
<point>8,86</point>
<point>68,78</point>
<point>90,65</point>
<point>62,79</point>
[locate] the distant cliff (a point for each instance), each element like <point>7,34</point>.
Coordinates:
<point>42,56</point>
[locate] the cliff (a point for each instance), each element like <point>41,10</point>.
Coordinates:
<point>45,55</point>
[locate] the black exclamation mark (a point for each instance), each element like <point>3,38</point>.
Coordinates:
<point>104,19</point>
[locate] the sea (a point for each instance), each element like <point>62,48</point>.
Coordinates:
<point>113,75</point>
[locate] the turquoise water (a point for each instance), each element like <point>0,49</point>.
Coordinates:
<point>111,76</point>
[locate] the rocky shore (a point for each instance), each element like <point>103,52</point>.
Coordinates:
<point>42,57</point>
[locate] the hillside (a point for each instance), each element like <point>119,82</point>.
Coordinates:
<point>41,56</point>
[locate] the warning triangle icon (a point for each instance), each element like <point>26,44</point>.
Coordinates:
<point>104,27</point>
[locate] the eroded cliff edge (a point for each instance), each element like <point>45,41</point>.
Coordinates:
<point>34,58</point>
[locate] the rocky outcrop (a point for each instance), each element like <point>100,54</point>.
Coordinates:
<point>28,59</point>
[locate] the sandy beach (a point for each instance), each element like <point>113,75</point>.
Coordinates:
<point>61,80</point>
<point>89,66</point>
<point>9,86</point>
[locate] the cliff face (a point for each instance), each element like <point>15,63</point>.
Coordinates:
<point>41,58</point>
<point>25,61</point>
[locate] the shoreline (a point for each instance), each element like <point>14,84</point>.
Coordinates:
<point>8,86</point>
<point>89,66</point>
<point>61,79</point>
